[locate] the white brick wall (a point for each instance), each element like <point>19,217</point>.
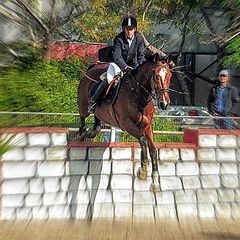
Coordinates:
<point>40,182</point>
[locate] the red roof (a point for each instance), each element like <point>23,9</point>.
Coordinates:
<point>62,51</point>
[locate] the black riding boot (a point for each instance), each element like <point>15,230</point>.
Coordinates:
<point>93,101</point>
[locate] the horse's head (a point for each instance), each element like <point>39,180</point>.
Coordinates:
<point>161,76</point>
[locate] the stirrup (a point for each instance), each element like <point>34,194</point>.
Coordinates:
<point>91,107</point>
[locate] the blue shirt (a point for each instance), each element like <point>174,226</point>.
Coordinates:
<point>219,103</point>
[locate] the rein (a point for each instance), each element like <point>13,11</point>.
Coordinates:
<point>85,75</point>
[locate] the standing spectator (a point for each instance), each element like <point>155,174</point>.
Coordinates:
<point>224,100</point>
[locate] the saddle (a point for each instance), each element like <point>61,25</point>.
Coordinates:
<point>110,94</point>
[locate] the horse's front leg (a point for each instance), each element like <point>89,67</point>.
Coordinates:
<point>142,171</point>
<point>155,186</point>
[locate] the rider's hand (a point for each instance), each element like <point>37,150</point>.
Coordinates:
<point>127,70</point>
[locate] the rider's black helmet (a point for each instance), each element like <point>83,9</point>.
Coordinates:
<point>129,21</point>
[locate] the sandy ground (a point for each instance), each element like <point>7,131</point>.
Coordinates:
<point>75,230</point>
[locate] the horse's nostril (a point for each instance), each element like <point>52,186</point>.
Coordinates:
<point>162,105</point>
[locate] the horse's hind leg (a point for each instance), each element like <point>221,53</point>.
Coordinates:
<point>82,129</point>
<point>92,132</point>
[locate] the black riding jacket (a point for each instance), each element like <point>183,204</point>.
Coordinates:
<point>132,56</point>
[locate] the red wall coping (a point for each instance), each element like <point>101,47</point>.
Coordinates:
<point>33,130</point>
<point>130,145</point>
<point>191,135</point>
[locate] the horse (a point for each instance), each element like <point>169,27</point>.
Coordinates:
<point>133,108</point>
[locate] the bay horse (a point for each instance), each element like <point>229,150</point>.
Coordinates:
<point>133,109</point>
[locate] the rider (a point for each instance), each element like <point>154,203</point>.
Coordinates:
<point>128,53</point>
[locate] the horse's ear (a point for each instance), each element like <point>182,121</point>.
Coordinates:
<point>169,60</point>
<point>156,57</point>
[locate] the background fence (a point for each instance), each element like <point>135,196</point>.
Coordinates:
<point>166,128</point>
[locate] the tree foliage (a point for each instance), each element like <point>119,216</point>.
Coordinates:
<point>45,87</point>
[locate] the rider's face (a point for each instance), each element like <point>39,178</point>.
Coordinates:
<point>129,32</point>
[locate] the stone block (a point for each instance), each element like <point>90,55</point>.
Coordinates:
<point>34,153</point>
<point>98,153</point>
<point>122,196</point>
<point>13,200</point>
<point>225,155</point>
<point>7,213</point>
<point>103,196</point>
<point>15,186</point>
<point>187,169</point>
<point>206,155</point>
<point>51,184</point>
<point>51,169</point>
<point>98,181</point>
<point>207,196</point>
<point>206,210</point>
<point>229,168</point>
<point>59,198</point>
<point>100,167</point>
<point>18,169</point>
<point>207,140</point>
<point>209,168</point>
<point>230,181</point>
<point>187,154</point>
<point>103,210</point>
<point>143,211</point>
<point>185,196</point>
<point>123,211</point>
<point>18,140</point>
<point>227,141</point>
<point>77,183</point>
<point>165,211</point>
<point>40,213</point>
<point>170,183</point>
<point>235,210</point>
<point>226,195</point>
<point>77,168</point>
<point>223,210</point>
<point>65,183</point>
<point>169,154</point>
<point>59,212</point>
<point>143,198</point>
<point>24,213</point>
<point>79,211</point>
<point>36,185</point>
<point>121,153</point>
<point>56,153</point>
<point>80,197</point>
<point>167,169</point>
<point>59,139</point>
<point>33,200</point>
<point>238,140</point>
<point>78,153</point>
<point>164,198</point>
<point>210,181</point>
<point>14,154</point>
<point>237,195</point>
<point>191,182</point>
<point>121,182</point>
<point>142,185</point>
<point>122,167</point>
<point>39,139</point>
<point>238,155</point>
<point>188,210</point>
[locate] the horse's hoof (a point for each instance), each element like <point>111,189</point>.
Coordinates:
<point>142,173</point>
<point>155,187</point>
